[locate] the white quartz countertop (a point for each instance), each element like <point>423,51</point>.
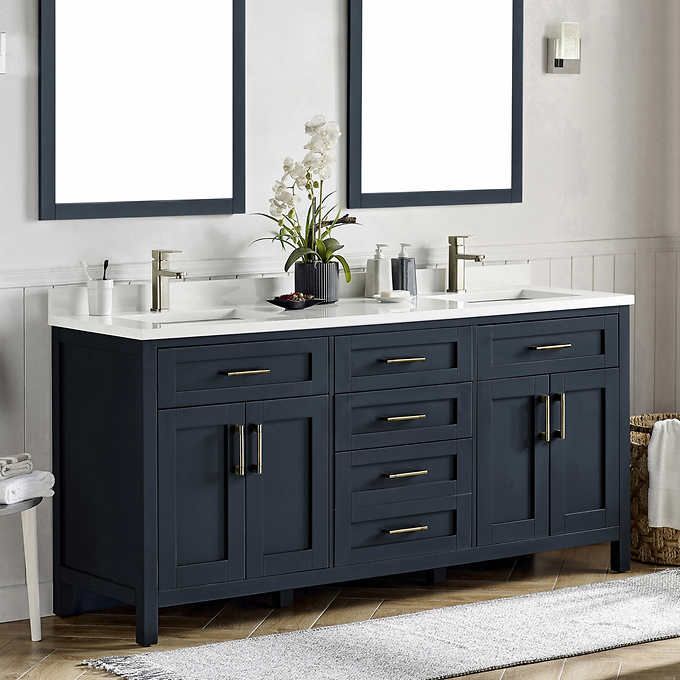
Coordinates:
<point>353,312</point>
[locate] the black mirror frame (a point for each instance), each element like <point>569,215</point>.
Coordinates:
<point>50,210</point>
<point>357,199</point>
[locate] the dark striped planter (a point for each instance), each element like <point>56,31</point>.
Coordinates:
<point>318,279</point>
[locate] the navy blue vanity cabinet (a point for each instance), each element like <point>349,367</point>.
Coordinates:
<point>548,444</point>
<point>513,460</point>
<point>200,469</point>
<point>403,500</point>
<point>287,486</point>
<point>584,451</point>
<point>201,496</point>
<point>262,465</point>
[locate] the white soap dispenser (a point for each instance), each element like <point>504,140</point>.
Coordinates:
<point>378,273</point>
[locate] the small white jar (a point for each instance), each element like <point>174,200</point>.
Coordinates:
<point>100,297</point>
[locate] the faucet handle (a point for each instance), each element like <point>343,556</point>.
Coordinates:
<point>454,239</point>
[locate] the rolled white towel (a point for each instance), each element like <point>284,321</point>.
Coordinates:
<point>12,466</point>
<point>664,475</point>
<point>35,485</point>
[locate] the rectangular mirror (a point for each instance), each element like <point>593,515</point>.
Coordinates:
<point>435,102</point>
<point>142,108</point>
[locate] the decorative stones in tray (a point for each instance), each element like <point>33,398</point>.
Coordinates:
<point>296,301</point>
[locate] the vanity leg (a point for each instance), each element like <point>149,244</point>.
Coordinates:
<point>67,600</point>
<point>147,620</point>
<point>435,577</point>
<point>620,560</point>
<point>283,599</point>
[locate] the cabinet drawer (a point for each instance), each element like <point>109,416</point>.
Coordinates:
<point>242,371</point>
<point>409,359</point>
<point>405,473</point>
<point>441,525</point>
<point>538,347</point>
<point>411,416</point>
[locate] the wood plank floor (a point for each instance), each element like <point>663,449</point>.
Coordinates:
<point>67,641</point>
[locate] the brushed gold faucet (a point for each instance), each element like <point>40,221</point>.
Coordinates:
<point>457,259</point>
<point>160,279</point>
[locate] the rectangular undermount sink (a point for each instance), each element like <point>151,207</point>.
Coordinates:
<point>495,296</point>
<point>159,319</point>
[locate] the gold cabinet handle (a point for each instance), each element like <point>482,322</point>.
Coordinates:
<point>406,360</point>
<point>547,348</point>
<point>260,429</point>
<point>563,416</point>
<point>406,419</point>
<point>407,475</point>
<point>547,435</point>
<point>236,374</point>
<point>409,530</point>
<point>241,467</point>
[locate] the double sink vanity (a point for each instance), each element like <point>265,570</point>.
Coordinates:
<point>212,454</point>
<point>215,451</point>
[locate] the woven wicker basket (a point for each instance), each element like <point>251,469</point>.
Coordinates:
<point>654,546</point>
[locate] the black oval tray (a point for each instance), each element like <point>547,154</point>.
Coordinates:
<point>295,304</point>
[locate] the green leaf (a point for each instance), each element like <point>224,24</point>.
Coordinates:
<point>345,266</point>
<point>269,217</point>
<point>296,255</point>
<point>332,245</point>
<point>322,251</point>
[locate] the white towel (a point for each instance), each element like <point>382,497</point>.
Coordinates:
<point>664,475</point>
<point>36,485</point>
<point>11,466</point>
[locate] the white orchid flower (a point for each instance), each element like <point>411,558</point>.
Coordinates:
<point>310,160</point>
<point>288,165</point>
<point>314,125</point>
<point>316,144</point>
<point>285,197</point>
<point>276,209</point>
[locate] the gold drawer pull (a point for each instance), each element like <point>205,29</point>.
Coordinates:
<point>260,429</point>
<point>405,419</point>
<point>410,530</point>
<point>545,348</point>
<point>547,435</point>
<point>235,374</point>
<point>563,416</point>
<point>241,467</point>
<point>408,475</point>
<point>406,360</point>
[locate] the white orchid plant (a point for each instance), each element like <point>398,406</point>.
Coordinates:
<point>310,240</point>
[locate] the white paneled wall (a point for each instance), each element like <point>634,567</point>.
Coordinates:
<point>24,425</point>
<point>647,267</point>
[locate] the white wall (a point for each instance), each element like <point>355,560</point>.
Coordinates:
<point>597,152</point>
<point>601,206</point>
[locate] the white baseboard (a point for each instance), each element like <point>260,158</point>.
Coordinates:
<point>14,602</point>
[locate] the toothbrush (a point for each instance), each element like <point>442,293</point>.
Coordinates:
<point>86,271</point>
<point>106,266</point>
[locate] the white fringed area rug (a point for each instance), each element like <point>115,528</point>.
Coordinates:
<point>437,644</point>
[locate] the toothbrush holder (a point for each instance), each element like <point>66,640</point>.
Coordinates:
<point>100,297</point>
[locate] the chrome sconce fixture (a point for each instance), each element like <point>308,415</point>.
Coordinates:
<point>564,53</point>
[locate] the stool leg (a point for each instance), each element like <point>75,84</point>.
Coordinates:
<point>29,526</point>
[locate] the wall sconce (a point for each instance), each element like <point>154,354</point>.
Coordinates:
<point>564,53</point>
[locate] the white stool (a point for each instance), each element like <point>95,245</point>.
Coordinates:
<point>29,526</point>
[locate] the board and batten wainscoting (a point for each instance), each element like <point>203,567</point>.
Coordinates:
<point>647,267</point>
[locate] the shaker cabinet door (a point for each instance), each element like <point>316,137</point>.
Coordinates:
<point>584,455</point>
<point>513,460</point>
<point>288,500</point>
<point>201,495</point>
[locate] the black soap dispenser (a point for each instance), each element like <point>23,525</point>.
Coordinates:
<point>404,272</point>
